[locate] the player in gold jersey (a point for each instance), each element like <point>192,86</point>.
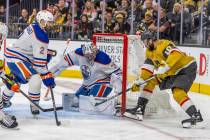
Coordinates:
<point>173,69</point>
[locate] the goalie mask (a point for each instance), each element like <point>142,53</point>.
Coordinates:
<point>89,51</point>
<point>148,37</point>
<point>3,32</point>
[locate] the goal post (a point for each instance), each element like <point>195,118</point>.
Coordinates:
<point>128,52</point>
<point>119,44</point>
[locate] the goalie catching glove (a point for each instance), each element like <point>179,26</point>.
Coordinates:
<point>48,79</point>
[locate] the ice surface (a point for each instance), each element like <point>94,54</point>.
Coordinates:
<point>78,126</point>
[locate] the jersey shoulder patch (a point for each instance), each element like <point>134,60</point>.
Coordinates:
<point>79,51</point>
<point>40,34</point>
<point>102,58</point>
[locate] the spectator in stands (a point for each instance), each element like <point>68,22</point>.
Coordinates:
<point>32,17</point>
<point>24,16</point>
<point>68,25</point>
<point>2,14</point>
<point>125,4</point>
<point>208,13</point>
<point>145,23</point>
<point>137,12</point>
<point>174,19</point>
<point>109,23</point>
<point>149,7</point>
<point>98,21</point>
<point>77,12</point>
<point>59,18</point>
<point>22,20</point>
<point>197,14</point>
<point>55,9</point>
<point>59,21</point>
<point>62,8</point>
<point>164,26</point>
<point>167,5</point>
<point>99,9</point>
<point>191,5</point>
<point>121,25</point>
<point>85,28</point>
<point>90,11</point>
<point>50,8</point>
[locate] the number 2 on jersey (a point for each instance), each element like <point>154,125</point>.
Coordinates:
<point>41,50</point>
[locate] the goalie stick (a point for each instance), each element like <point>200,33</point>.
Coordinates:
<point>120,93</point>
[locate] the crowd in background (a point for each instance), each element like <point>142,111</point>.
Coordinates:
<point>117,19</point>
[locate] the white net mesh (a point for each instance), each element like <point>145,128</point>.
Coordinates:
<point>113,45</point>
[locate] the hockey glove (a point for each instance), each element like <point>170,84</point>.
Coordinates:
<point>8,80</point>
<point>48,79</point>
<point>160,77</point>
<point>136,85</point>
<point>50,54</point>
<point>1,65</point>
<point>135,88</point>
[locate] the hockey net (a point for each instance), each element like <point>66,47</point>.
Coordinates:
<point>127,52</point>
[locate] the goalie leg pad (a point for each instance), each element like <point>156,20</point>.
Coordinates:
<point>81,91</point>
<point>87,105</point>
<point>100,90</point>
<point>70,102</point>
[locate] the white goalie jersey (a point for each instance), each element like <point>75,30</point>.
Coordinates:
<point>101,71</point>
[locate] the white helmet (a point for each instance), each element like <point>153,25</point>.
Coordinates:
<point>3,31</point>
<point>44,15</point>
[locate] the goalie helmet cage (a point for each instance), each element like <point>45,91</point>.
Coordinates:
<point>128,53</point>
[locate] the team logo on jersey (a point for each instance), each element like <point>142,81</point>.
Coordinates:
<point>85,72</point>
<point>29,30</point>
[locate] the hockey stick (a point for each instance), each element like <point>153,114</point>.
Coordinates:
<point>120,93</point>
<point>35,104</point>
<point>58,123</point>
<point>46,98</point>
<point>38,106</point>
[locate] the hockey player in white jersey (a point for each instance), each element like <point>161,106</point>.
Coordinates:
<point>7,121</point>
<point>27,58</point>
<point>100,74</point>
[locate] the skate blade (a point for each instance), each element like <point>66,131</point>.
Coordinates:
<point>47,98</point>
<point>35,117</point>
<point>134,117</point>
<point>199,125</point>
<point>16,128</point>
